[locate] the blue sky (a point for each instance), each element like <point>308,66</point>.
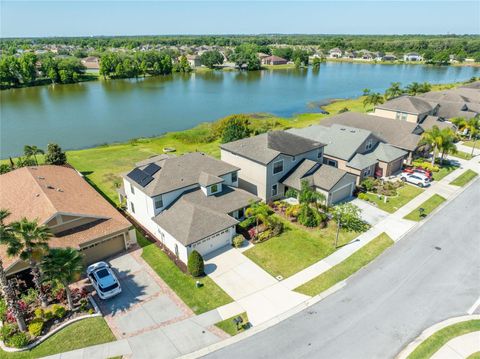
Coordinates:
<point>88,18</point>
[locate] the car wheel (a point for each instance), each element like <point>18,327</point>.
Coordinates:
<point>404,179</point>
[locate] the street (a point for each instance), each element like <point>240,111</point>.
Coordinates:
<point>429,276</point>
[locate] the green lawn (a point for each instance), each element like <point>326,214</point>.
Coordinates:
<point>462,155</point>
<point>429,205</point>
<point>443,171</point>
<point>474,356</point>
<point>349,266</point>
<point>78,335</point>
<point>296,248</point>
<point>470,144</point>
<point>405,195</point>
<point>200,300</point>
<point>229,327</point>
<point>464,178</point>
<point>433,343</point>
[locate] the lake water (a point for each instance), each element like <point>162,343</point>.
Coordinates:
<point>92,113</point>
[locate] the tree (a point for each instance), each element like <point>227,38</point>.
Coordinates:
<point>245,56</point>
<point>308,216</point>
<point>424,87</point>
<point>316,63</point>
<point>64,265</point>
<point>448,143</point>
<point>373,99</point>
<point>433,138</point>
<point>211,58</point>
<point>413,89</point>
<point>284,52</point>
<point>28,71</point>
<point>182,65</point>
<point>393,91</point>
<point>348,217</point>
<point>235,129</point>
<point>366,92</point>
<point>55,155</point>
<point>300,56</point>
<point>30,243</point>
<point>32,151</point>
<point>7,235</point>
<point>195,264</point>
<point>309,196</point>
<point>260,211</point>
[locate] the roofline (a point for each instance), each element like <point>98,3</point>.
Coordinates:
<point>328,189</point>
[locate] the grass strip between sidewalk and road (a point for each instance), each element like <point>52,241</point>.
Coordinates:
<point>85,333</point>
<point>437,340</point>
<point>349,266</point>
<point>429,205</point>
<point>462,155</point>
<point>229,327</point>
<point>200,300</point>
<point>464,178</point>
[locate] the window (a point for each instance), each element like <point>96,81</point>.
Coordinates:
<point>132,207</point>
<point>319,154</point>
<point>369,144</point>
<point>277,167</point>
<point>274,190</point>
<point>404,116</point>
<point>234,177</point>
<point>158,202</point>
<point>214,188</point>
<point>327,161</point>
<point>367,172</point>
<point>132,189</point>
<point>293,159</point>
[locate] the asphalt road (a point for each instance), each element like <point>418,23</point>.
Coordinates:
<point>429,276</point>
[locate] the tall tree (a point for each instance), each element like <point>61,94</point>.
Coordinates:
<point>348,217</point>
<point>434,139</point>
<point>374,99</point>
<point>211,58</point>
<point>32,151</point>
<point>309,196</point>
<point>55,155</point>
<point>393,91</point>
<point>260,211</point>
<point>448,143</point>
<point>413,89</point>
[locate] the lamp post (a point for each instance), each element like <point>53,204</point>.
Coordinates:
<point>339,223</point>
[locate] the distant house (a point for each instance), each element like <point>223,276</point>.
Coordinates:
<point>194,61</point>
<point>262,55</point>
<point>91,62</point>
<point>273,60</point>
<point>335,53</point>
<point>407,108</point>
<point>350,54</point>
<point>412,56</point>
<point>389,57</point>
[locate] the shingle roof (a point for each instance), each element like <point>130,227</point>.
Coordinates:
<point>341,141</point>
<point>402,134</point>
<point>386,153</point>
<point>446,95</point>
<point>180,172</point>
<point>206,179</point>
<point>409,104</point>
<point>473,85</point>
<point>361,161</point>
<point>266,147</point>
<point>431,121</point>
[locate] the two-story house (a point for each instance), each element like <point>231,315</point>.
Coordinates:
<point>407,108</point>
<point>187,202</point>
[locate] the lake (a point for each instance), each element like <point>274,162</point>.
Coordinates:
<point>92,113</point>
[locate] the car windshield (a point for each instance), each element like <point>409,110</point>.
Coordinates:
<point>102,273</point>
<point>109,288</point>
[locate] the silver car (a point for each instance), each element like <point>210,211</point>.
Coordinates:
<point>103,280</point>
<point>416,179</point>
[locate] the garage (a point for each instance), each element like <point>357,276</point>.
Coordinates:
<point>104,248</point>
<point>395,166</point>
<point>214,242</point>
<point>341,193</point>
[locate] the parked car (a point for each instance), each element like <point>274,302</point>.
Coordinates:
<point>416,179</point>
<point>103,280</point>
<point>419,170</point>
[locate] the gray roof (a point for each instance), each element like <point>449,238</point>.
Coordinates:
<point>361,161</point>
<point>266,147</point>
<point>472,85</point>
<point>206,179</point>
<point>322,176</point>
<point>431,121</point>
<point>409,104</point>
<point>402,134</point>
<point>387,153</point>
<point>195,216</point>
<point>180,172</point>
<point>341,141</point>
<point>446,95</point>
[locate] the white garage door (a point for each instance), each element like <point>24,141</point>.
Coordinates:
<point>213,243</point>
<point>342,193</point>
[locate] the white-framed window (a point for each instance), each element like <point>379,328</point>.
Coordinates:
<point>369,144</point>
<point>277,167</point>
<point>214,188</point>
<point>158,202</point>
<point>274,190</point>
<point>234,176</point>
<point>132,207</point>
<point>132,189</point>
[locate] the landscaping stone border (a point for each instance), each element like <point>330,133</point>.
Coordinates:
<point>41,339</point>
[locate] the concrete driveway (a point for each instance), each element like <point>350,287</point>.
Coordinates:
<point>370,213</point>
<point>145,302</point>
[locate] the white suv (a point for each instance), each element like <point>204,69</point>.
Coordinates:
<point>103,280</point>
<point>415,178</point>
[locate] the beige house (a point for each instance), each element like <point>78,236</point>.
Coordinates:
<point>407,108</point>
<point>76,214</point>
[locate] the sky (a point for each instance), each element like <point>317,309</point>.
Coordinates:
<point>92,18</point>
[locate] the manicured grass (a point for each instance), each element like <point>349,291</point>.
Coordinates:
<point>78,335</point>
<point>433,343</point>
<point>443,171</point>
<point>405,195</point>
<point>296,248</point>
<point>470,144</point>
<point>462,155</point>
<point>464,178</point>
<point>200,300</point>
<point>349,266</point>
<point>474,356</point>
<point>229,327</point>
<point>429,205</point>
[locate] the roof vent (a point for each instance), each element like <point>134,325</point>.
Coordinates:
<point>50,187</point>
<point>59,190</point>
<point>41,177</point>
<point>37,195</point>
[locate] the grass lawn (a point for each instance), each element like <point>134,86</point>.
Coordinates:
<point>343,270</point>
<point>296,248</point>
<point>443,171</point>
<point>433,343</point>
<point>429,205</point>
<point>470,144</point>
<point>229,327</point>
<point>405,195</point>
<point>464,178</point>
<point>78,335</point>
<point>474,356</point>
<point>200,300</point>
<point>462,155</point>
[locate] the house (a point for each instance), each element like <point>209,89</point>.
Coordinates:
<point>335,53</point>
<point>91,62</point>
<point>190,202</point>
<point>412,56</point>
<point>194,61</point>
<point>401,134</point>
<point>267,161</point>
<point>262,55</point>
<point>273,60</point>
<point>389,57</point>
<point>350,54</point>
<point>76,214</point>
<point>356,151</point>
<point>407,108</point>
<point>366,55</point>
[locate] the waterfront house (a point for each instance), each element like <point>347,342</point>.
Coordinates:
<point>273,60</point>
<point>91,62</point>
<point>412,56</point>
<point>190,202</point>
<point>335,53</point>
<point>194,61</point>
<point>407,108</point>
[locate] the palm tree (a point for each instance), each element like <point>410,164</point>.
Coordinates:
<point>309,196</point>
<point>366,92</point>
<point>30,243</point>
<point>434,139</point>
<point>64,265</point>
<point>260,211</point>
<point>424,87</point>
<point>6,233</point>
<point>373,99</point>
<point>393,91</point>
<point>448,144</point>
<point>32,151</point>
<point>413,89</point>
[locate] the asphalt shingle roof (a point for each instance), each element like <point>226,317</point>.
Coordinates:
<point>409,104</point>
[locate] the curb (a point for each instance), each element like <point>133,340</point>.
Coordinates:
<point>430,331</point>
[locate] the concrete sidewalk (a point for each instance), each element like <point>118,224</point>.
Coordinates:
<point>460,347</point>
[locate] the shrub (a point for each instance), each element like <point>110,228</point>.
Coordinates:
<point>58,311</point>
<point>252,232</point>
<point>265,235</point>
<point>247,223</point>
<point>195,264</point>
<point>368,184</point>
<point>17,340</point>
<point>426,165</point>
<point>30,297</point>
<point>35,327</point>
<point>237,241</point>
<point>308,216</point>
<point>342,110</point>
<point>47,315</point>
<point>83,304</point>
<point>7,330</point>
<point>39,313</point>
<point>291,193</point>
<point>3,309</point>
<point>293,211</point>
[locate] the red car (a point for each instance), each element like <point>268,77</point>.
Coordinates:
<point>420,170</point>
